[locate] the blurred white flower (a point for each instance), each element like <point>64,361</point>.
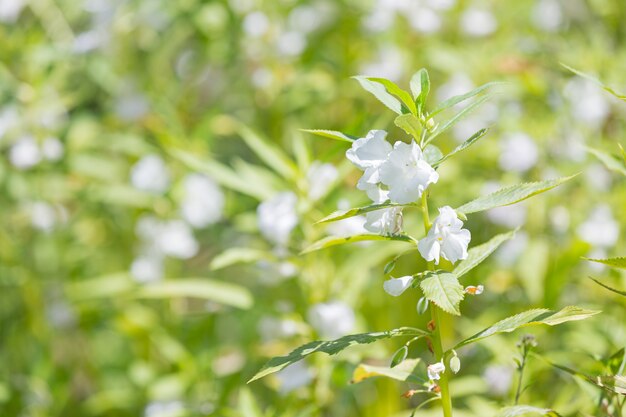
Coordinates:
<point>277,217</point>
<point>518,152</point>
<point>509,216</point>
<point>262,77</point>
<point>446,237</point>
<point>147,268</point>
<point>435,370</point>
<point>293,377</point>
<point>43,216</point>
<point>597,253</point>
<point>600,229</point>
<point>256,24</point>
<point>176,239</point>
<point>588,103</point>
<point>512,249</point>
<point>424,19</point>
<point>498,379</point>
<point>150,174</point>
<point>9,119</point>
<point>25,153</point>
<point>52,149</point>
<point>291,43</point>
<point>347,227</point>
<point>164,409</point>
<point>559,219</point>
<point>60,315</point>
<point>406,173</point>
<point>387,222</point>
<point>10,10</point>
<point>396,286</point>
<point>441,4</point>
<point>479,119</point>
<point>379,20</point>
<point>598,177</point>
<point>131,106</point>
<point>547,15</point>
<point>309,18</point>
<point>331,320</point>
<point>320,177</point>
<point>203,201</point>
<point>478,22</point>
<point>388,64</point>
<point>368,154</point>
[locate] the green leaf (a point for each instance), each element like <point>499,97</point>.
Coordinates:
<point>329,241</point>
<point>432,154</point>
<point>344,214</point>
<point>404,371</point>
<point>511,195</point>
<point>233,256</point>
<point>615,290</point>
<point>380,92</point>
<point>273,156</point>
<point>331,134</point>
<point>221,292</point>
<point>331,348</point>
<point>615,384</point>
<point>410,124</point>
<point>443,289</point>
<point>479,253</point>
<point>420,87</point>
<point>531,318</point>
<point>608,160</point>
<point>612,262</point>
<point>596,81</point>
<point>453,101</point>
<point>457,118</point>
<point>523,410</point>
<point>399,356</point>
<point>391,87</point>
<point>106,286</point>
<point>463,146</point>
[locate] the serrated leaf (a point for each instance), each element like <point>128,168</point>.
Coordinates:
<point>420,87</point>
<point>392,88</point>
<point>410,124</point>
<point>523,410</point>
<point>511,195</point>
<point>233,256</point>
<point>380,92</point>
<point>432,154</point>
<point>469,142</point>
<point>457,118</point>
<point>531,318</point>
<point>453,101</point>
<point>596,81</point>
<point>608,160</point>
<point>331,348</point>
<point>615,384</point>
<point>221,292</point>
<point>443,289</point>
<point>344,214</point>
<point>331,134</point>
<point>330,241</point>
<point>615,290</point>
<point>404,371</point>
<point>272,155</point>
<point>612,262</point>
<point>479,253</point>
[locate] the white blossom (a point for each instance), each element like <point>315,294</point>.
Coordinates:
<point>176,239</point>
<point>478,22</point>
<point>386,222</point>
<point>52,149</point>
<point>518,152</point>
<point>164,409</point>
<point>368,154</point>
<point>291,43</point>
<point>277,217</point>
<point>147,268</point>
<point>43,216</point>
<point>25,153</point>
<point>446,238</point>
<point>332,319</point>
<point>435,370</point>
<point>600,229</point>
<point>396,286</point>
<point>589,104</point>
<point>547,15</point>
<point>406,173</point>
<point>320,177</point>
<point>425,20</point>
<point>203,201</point>
<point>10,10</point>
<point>150,174</point>
<point>256,24</point>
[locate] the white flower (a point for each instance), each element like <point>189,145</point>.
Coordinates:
<point>389,63</point>
<point>396,286</point>
<point>43,216</point>
<point>10,10</point>
<point>518,153</point>
<point>386,222</point>
<point>320,177</point>
<point>147,268</point>
<point>291,43</point>
<point>435,369</point>
<point>52,149</point>
<point>368,154</point>
<point>406,173</point>
<point>176,239</point>
<point>478,23</point>
<point>256,24</point>
<point>446,237</point>
<point>425,20</point>
<point>150,174</point>
<point>589,103</point>
<point>511,250</point>
<point>164,409</point>
<point>25,153</point>
<point>277,217</point>
<point>293,377</point>
<point>600,229</point>
<point>547,15</point>
<point>203,202</point>
<point>332,319</point>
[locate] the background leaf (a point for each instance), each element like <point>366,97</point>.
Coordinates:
<point>404,371</point>
<point>331,134</point>
<point>612,262</point>
<point>380,92</point>
<point>327,242</point>
<point>344,214</point>
<point>479,253</point>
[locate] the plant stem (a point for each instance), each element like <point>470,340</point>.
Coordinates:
<point>446,399</point>
<point>519,381</point>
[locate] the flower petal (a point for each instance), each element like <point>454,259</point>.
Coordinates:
<point>396,286</point>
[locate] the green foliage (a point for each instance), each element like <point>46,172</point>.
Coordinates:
<point>612,262</point>
<point>596,81</point>
<point>403,371</point>
<point>443,289</point>
<point>330,241</point>
<point>479,253</point>
<point>331,134</point>
<point>344,214</point>
<point>526,410</point>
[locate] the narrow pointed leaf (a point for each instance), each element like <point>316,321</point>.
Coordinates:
<point>443,127</point>
<point>463,146</point>
<point>410,124</point>
<point>615,384</point>
<point>334,241</point>
<point>344,214</point>
<point>404,371</point>
<point>331,348</point>
<point>443,289</point>
<point>479,253</point>
<point>596,81</point>
<point>380,92</point>
<point>612,262</point>
<point>453,101</point>
<point>531,318</point>
<point>609,161</point>
<point>615,290</point>
<point>526,410</point>
<point>233,256</point>
<point>432,154</point>
<point>420,87</point>
<point>392,88</point>
<point>331,134</point>
<point>511,195</point>
<point>272,155</point>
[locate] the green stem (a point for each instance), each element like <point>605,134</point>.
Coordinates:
<point>520,380</point>
<point>446,399</point>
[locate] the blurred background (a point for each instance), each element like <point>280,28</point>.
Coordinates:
<point>155,191</point>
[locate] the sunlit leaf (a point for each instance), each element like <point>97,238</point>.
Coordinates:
<point>330,241</point>
<point>380,92</point>
<point>609,161</point>
<point>420,87</point>
<point>615,290</point>
<point>233,256</point>
<point>404,371</point>
<point>524,410</point>
<point>453,101</point>
<point>331,134</point>
<point>443,289</point>
<point>432,154</point>
<point>464,145</point>
<point>479,253</point>
<point>511,195</point>
<point>344,214</point>
<point>391,87</point>
<point>331,348</point>
<point>531,318</point>
<point>272,155</point>
<point>410,124</point>
<point>612,262</point>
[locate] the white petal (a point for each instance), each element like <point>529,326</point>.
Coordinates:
<point>396,286</point>
<point>429,248</point>
<point>454,246</point>
<point>369,151</point>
